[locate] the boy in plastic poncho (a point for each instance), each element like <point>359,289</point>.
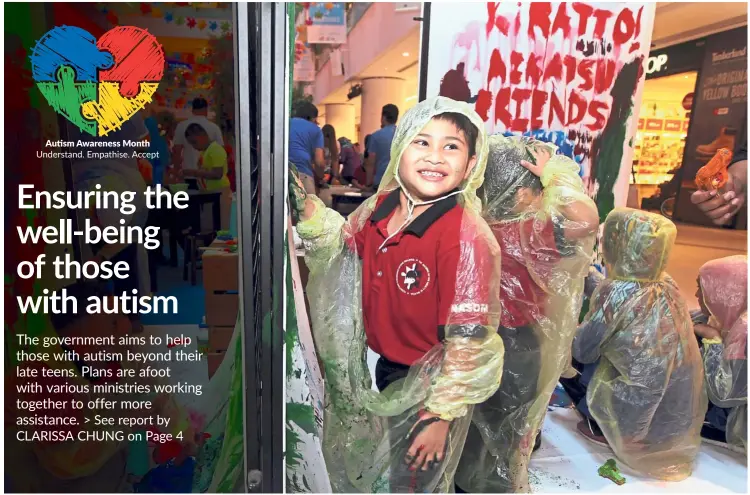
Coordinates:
<point>722,294</point>
<point>426,268</point>
<point>545,225</point>
<point>647,394</point>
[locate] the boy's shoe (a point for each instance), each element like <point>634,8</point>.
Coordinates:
<point>714,436</point>
<point>537,442</point>
<point>591,432</point>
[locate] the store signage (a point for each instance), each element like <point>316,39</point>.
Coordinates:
<point>672,125</point>
<point>657,63</point>
<point>654,124</point>
<point>641,124</point>
<point>326,23</point>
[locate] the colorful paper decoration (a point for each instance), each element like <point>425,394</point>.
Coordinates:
<point>191,22</point>
<point>168,17</point>
<point>180,21</point>
<point>202,24</point>
<point>156,12</point>
<point>213,25</point>
<point>145,8</point>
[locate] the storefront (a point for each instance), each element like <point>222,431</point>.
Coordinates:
<point>694,103</point>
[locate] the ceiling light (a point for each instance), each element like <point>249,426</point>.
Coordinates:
<point>405,54</point>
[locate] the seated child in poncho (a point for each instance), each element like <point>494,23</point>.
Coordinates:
<point>722,294</point>
<point>647,394</point>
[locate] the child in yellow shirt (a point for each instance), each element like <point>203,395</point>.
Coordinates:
<point>212,168</point>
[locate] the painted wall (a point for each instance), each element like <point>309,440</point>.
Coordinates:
<point>568,73</point>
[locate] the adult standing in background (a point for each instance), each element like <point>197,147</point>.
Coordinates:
<point>184,155</point>
<point>350,160</point>
<point>379,149</point>
<point>331,152</point>
<point>306,145</point>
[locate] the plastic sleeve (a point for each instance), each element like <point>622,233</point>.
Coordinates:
<point>726,379</point>
<point>322,236</point>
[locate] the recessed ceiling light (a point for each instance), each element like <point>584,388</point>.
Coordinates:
<point>405,54</point>
<point>386,68</point>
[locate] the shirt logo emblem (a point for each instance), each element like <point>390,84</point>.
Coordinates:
<point>412,277</point>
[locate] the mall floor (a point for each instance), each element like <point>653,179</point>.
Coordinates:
<point>696,245</point>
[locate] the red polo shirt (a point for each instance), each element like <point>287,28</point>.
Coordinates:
<point>436,272</point>
<point>525,242</point>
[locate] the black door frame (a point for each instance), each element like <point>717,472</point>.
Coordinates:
<point>261,54</point>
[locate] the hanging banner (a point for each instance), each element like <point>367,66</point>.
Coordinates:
<point>304,65</point>
<point>567,73</point>
<point>326,23</point>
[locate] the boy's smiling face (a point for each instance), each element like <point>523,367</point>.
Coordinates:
<point>436,161</point>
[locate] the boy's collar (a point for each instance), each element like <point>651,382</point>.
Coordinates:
<point>420,224</point>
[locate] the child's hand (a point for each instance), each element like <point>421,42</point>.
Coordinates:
<point>706,332</point>
<point>540,155</point>
<point>427,448</point>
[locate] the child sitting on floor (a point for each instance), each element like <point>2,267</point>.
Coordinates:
<point>722,294</point>
<point>647,393</point>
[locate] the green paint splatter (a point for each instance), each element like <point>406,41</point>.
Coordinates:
<point>303,416</point>
<point>291,333</point>
<point>293,457</point>
<point>608,148</point>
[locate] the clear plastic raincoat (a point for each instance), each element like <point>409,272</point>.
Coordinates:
<point>724,287</point>
<point>647,393</point>
<point>361,426</point>
<point>546,230</point>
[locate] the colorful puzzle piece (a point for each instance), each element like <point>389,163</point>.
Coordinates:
<point>66,97</point>
<point>111,109</point>
<point>98,85</point>
<point>139,58</point>
<point>71,46</point>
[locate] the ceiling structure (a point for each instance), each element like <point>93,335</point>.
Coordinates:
<point>678,22</point>
<point>401,60</point>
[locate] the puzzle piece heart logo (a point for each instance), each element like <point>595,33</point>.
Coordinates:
<point>97,85</point>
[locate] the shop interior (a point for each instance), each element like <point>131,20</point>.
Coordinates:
<point>663,124</point>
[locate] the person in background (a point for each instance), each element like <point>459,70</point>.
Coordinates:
<point>722,327</point>
<point>161,129</point>
<point>306,145</point>
<point>331,153</point>
<point>350,160</point>
<point>379,149</point>
<point>535,203</point>
<point>184,155</point>
<point>722,205</point>
<point>212,168</point>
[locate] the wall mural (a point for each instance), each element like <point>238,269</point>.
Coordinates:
<point>566,73</point>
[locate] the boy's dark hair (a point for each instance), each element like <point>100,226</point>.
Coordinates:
<point>305,110</point>
<point>390,113</point>
<point>503,178</point>
<point>194,129</point>
<point>463,124</point>
<point>200,103</point>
